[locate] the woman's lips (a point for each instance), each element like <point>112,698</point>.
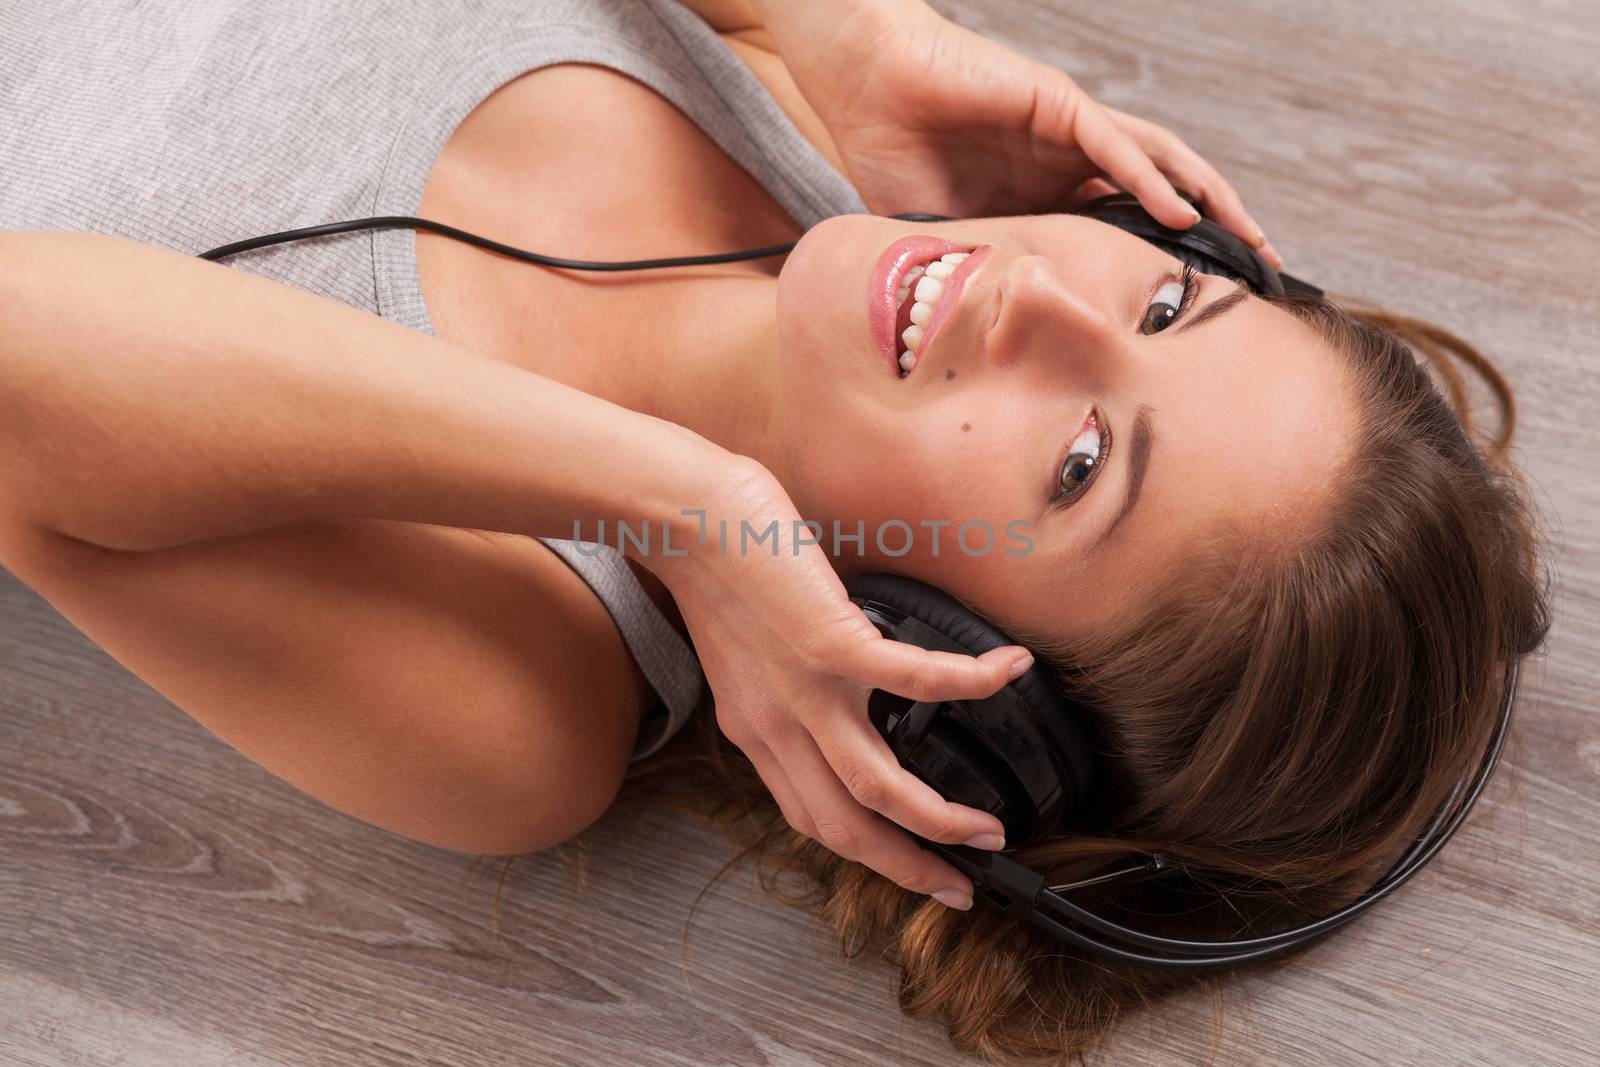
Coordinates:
<point>898,258</point>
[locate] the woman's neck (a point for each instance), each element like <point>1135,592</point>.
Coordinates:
<point>719,378</point>
<point>703,354</point>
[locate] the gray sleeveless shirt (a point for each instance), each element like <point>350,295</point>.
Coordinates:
<point>192,123</point>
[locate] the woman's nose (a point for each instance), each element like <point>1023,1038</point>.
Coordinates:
<point>1046,308</point>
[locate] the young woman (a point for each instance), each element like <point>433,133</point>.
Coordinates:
<point>329,498</point>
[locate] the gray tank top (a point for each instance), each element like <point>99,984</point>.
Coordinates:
<point>192,123</point>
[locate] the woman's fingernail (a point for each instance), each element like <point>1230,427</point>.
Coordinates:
<point>952,898</point>
<point>1271,255</point>
<point>992,842</point>
<point>1021,665</point>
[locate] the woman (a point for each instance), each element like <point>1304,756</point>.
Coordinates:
<point>321,548</point>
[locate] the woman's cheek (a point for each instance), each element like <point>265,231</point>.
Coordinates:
<point>952,485</point>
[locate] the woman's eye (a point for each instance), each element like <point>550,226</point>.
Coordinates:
<point>1083,457</point>
<point>1165,306</point>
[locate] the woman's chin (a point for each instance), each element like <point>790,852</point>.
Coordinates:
<point>823,295</point>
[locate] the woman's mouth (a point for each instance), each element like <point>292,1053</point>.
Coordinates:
<point>914,289</point>
<point>888,308</point>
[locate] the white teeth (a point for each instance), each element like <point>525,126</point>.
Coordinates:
<point>924,285</point>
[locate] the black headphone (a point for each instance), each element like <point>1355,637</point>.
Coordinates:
<point>1024,754</point>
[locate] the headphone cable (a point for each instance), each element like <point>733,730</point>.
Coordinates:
<point>399,222</point>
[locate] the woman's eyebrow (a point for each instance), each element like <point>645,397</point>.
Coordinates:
<point>1215,308</point>
<point>1138,462</point>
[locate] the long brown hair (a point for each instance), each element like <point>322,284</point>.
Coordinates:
<point>1284,720</point>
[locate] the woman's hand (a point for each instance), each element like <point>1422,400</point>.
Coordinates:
<point>929,116</point>
<point>791,662</point>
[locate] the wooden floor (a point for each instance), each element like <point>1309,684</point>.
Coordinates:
<point>164,901</point>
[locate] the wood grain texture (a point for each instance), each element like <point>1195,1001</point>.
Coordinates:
<point>163,900</point>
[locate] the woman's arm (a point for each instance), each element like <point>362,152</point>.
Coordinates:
<point>148,399</point>
<point>151,399</point>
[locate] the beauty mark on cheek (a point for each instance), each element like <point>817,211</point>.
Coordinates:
<point>965,426</point>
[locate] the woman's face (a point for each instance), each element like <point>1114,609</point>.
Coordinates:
<point>1247,415</point>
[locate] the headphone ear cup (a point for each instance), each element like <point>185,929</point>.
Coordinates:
<point>1054,719</point>
<point>966,772</point>
<point>933,606</point>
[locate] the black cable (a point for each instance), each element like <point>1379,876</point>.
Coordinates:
<point>400,222</point>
